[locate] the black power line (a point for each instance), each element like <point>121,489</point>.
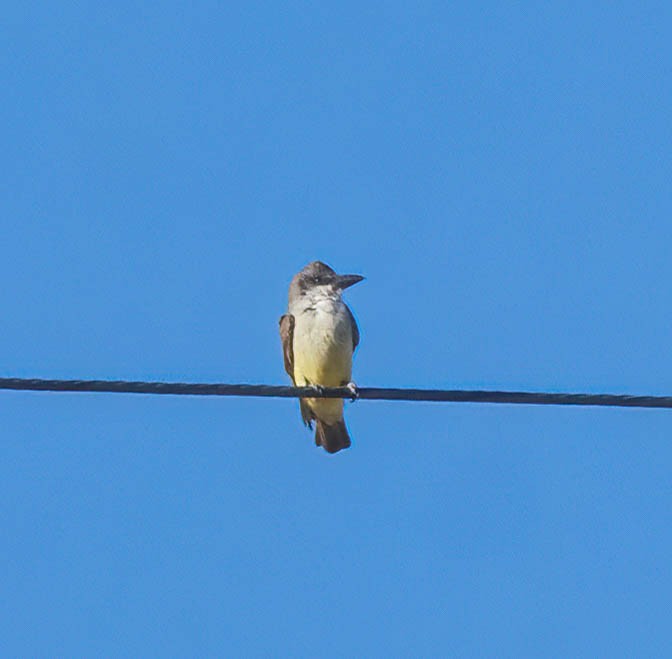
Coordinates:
<point>365,393</point>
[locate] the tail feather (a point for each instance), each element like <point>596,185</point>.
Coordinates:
<point>333,438</point>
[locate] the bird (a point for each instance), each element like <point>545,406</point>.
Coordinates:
<point>319,335</point>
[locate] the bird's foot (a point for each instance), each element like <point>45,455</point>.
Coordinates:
<point>319,389</point>
<point>352,388</point>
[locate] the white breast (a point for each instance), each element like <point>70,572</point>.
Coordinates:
<point>323,344</point>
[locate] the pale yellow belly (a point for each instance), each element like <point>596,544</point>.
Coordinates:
<point>326,366</point>
<point>323,356</point>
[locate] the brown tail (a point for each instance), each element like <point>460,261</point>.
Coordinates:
<point>333,438</point>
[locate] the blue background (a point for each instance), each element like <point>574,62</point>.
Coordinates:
<point>500,173</point>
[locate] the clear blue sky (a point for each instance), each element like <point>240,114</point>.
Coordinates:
<point>499,172</point>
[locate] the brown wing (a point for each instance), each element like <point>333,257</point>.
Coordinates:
<point>287,338</point>
<point>355,329</point>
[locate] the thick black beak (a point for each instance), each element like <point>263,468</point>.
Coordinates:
<point>345,281</point>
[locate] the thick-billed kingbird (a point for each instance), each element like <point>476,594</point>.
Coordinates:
<point>319,335</point>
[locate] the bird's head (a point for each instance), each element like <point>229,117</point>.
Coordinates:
<point>319,277</point>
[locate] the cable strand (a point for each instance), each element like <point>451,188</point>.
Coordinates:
<point>364,393</point>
